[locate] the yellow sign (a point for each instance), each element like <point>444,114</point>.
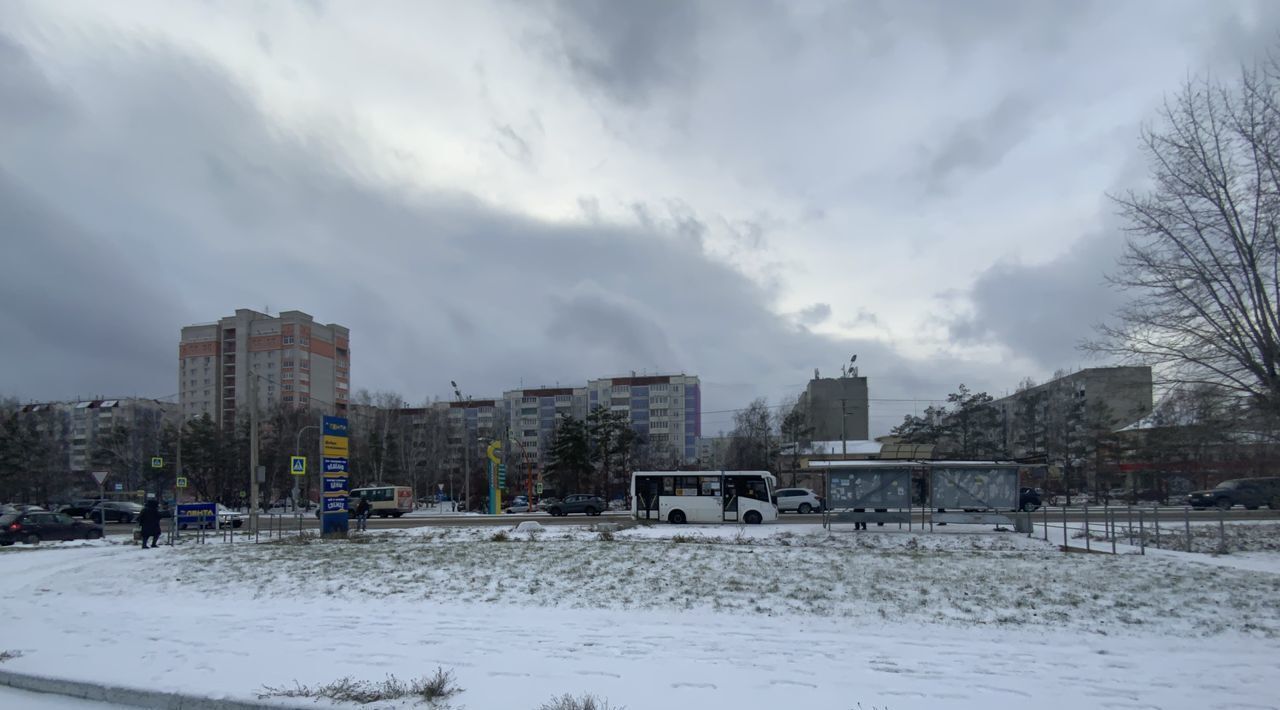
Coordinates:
<point>335,446</point>
<point>298,465</point>
<point>492,450</point>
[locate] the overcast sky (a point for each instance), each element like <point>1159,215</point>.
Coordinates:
<point>508,193</point>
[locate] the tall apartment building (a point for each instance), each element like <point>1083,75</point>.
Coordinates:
<point>290,359</point>
<point>82,426</point>
<point>532,415</point>
<point>665,409</point>
<point>836,408</point>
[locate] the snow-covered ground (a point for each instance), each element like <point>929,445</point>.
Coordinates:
<point>659,617</point>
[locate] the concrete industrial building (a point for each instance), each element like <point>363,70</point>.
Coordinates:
<point>1107,398</point>
<point>296,360</point>
<point>836,408</point>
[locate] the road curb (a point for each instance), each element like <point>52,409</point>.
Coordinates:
<point>132,697</point>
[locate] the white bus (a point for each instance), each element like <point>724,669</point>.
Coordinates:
<point>383,500</point>
<point>703,496</point>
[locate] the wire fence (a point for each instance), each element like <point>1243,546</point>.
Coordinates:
<point>1180,528</point>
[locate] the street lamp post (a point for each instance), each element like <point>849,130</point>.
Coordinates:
<point>297,451</point>
<point>466,454</point>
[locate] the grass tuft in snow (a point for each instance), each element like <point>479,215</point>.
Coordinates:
<point>432,689</point>
<point>585,702</point>
<point>500,536</point>
<point>9,655</point>
<point>605,536</point>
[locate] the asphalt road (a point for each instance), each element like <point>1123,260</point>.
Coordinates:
<point>1074,515</point>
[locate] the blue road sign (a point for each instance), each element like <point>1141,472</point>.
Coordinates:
<point>332,464</point>
<point>335,426</point>
<point>335,484</point>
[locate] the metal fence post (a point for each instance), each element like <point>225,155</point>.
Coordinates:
<point>1087,545</point>
<point>1114,534</point>
<point>1186,519</point>
<point>1129,509</point>
<point>1046,523</point>
<point>1155,518</point>
<point>1222,531</point>
<point>1065,544</point>
<point>1142,534</point>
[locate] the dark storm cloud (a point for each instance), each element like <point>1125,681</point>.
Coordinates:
<point>155,193</point>
<point>1044,311</point>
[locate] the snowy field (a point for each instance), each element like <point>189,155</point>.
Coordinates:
<point>659,617</point>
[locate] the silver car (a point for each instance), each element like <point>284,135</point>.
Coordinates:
<point>797,500</point>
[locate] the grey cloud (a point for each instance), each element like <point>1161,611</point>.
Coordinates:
<point>981,142</point>
<point>1044,311</point>
<point>814,314</point>
<point>155,193</point>
<point>513,145</point>
<point>627,50</point>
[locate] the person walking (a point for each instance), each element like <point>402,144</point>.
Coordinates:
<point>149,519</point>
<point>362,515</point>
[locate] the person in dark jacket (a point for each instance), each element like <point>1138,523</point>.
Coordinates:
<point>150,521</point>
<point>362,515</point>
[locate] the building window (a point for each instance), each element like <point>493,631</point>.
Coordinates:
<point>304,364</point>
<point>530,432</point>
<point>529,400</point>
<point>288,340</point>
<point>288,387</point>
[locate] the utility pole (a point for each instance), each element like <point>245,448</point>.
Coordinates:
<point>844,434</point>
<point>253,450</point>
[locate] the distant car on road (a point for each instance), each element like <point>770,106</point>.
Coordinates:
<point>516,508</point>
<point>114,512</point>
<point>1252,493</point>
<point>40,526</point>
<point>799,500</point>
<point>578,503</point>
<point>78,508</point>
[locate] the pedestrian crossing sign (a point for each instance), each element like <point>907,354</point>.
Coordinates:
<point>182,482</point>
<point>298,465</point>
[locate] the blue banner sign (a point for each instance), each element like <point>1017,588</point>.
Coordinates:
<point>335,426</point>
<point>335,504</point>
<point>335,484</point>
<point>334,465</point>
<point>198,514</point>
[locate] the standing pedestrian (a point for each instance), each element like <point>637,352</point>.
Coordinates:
<point>150,522</point>
<point>362,515</point>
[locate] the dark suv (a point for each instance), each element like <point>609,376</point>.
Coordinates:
<point>1252,493</point>
<point>578,503</point>
<point>1028,499</point>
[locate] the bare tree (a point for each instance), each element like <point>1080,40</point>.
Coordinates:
<point>1202,262</point>
<point>752,435</point>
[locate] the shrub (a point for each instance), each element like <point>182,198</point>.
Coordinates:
<point>500,536</point>
<point>585,702</point>
<point>437,687</point>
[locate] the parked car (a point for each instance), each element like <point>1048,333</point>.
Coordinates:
<point>114,512</point>
<point>1028,499</point>
<point>79,508</point>
<point>36,527</point>
<point>798,500</point>
<point>1252,493</point>
<point>578,503</point>
<point>516,508</point>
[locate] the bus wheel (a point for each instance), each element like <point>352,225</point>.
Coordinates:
<point>676,517</point>
<point>752,518</point>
